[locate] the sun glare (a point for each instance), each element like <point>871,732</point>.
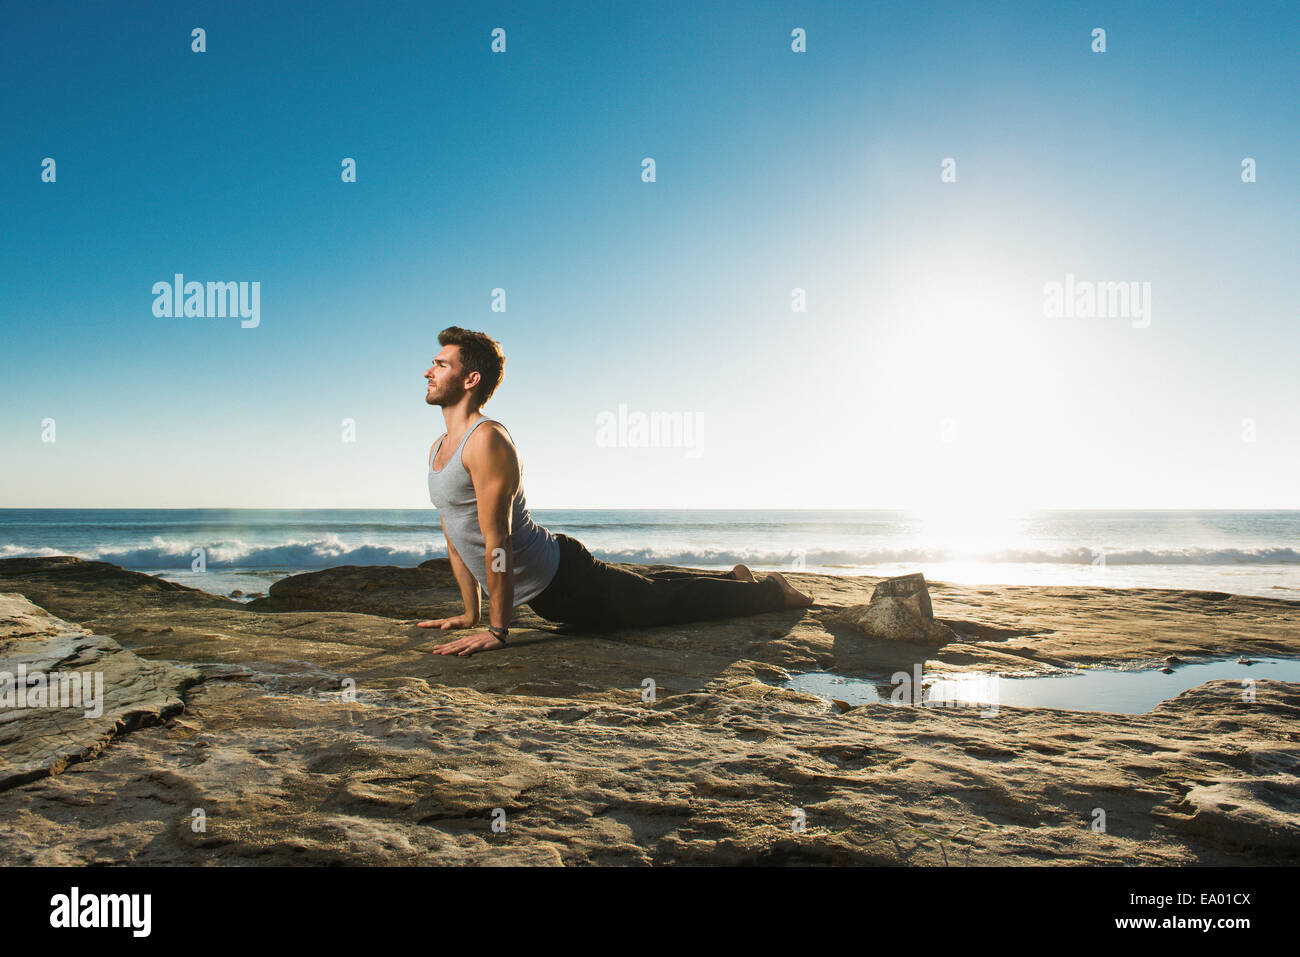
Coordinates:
<point>970,527</point>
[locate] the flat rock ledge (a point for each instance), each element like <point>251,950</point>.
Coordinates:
<point>66,693</point>
<point>368,589</point>
<point>328,733</point>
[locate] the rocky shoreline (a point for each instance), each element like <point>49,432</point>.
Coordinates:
<point>313,726</point>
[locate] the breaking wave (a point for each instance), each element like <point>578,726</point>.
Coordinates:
<point>331,550</point>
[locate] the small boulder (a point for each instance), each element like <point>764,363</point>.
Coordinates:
<point>900,610</point>
<point>910,590</point>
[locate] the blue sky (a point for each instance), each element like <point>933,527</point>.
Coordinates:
<point>923,373</point>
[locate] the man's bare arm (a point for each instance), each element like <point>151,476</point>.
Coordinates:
<point>469,591</point>
<point>493,467</point>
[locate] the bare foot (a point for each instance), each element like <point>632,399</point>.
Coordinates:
<point>742,573</point>
<point>793,597</point>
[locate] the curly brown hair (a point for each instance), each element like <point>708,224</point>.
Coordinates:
<point>479,353</point>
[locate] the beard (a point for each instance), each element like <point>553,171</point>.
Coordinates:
<point>449,396</point>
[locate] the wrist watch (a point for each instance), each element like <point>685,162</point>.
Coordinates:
<point>499,633</point>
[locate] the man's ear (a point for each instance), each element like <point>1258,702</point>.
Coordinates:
<point>471,381</point>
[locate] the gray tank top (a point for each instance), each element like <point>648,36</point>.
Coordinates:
<point>536,552</point>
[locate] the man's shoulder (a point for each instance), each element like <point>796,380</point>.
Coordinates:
<point>490,439</point>
<point>491,432</point>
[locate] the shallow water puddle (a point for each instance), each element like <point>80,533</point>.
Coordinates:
<point>1115,690</point>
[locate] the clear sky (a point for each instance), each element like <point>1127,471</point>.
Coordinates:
<point>924,372</point>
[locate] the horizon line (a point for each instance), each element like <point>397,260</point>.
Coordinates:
<point>631,508</point>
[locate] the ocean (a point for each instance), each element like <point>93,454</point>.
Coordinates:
<point>222,550</point>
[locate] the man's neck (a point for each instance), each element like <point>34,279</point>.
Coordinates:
<point>459,417</point>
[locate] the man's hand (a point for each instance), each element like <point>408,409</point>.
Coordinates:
<point>470,644</point>
<point>446,624</point>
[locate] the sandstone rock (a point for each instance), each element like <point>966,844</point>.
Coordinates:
<point>899,610</point>
<point>113,691</point>
<point>911,590</point>
<point>1257,811</point>
<point>78,590</point>
<point>1253,813</point>
<point>429,591</point>
<point>293,766</point>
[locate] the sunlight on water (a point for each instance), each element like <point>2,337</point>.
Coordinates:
<point>972,530</point>
<point>1115,690</point>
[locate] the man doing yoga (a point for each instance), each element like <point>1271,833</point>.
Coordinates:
<point>476,484</point>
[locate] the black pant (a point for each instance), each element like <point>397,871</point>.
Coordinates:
<point>587,591</point>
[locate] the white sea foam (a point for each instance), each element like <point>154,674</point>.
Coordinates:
<point>320,553</point>
<point>332,550</point>
<point>1238,552</point>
